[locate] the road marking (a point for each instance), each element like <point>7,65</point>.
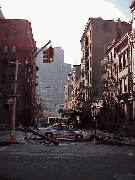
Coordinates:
<point>2,148</point>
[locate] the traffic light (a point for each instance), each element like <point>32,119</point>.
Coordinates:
<point>51,54</point>
<point>46,56</point>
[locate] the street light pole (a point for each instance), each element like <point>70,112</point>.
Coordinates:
<point>14,102</point>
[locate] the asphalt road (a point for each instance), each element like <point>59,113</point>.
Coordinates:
<point>68,161</point>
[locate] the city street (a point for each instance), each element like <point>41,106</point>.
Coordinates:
<point>70,160</point>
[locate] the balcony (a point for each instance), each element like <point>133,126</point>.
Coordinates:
<point>123,72</point>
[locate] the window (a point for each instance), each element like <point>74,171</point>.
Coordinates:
<point>14,34</point>
<point>90,62</point>
<point>125,86</point>
<point>124,61</point>
<point>3,96</point>
<point>13,49</point>
<point>5,48</point>
<point>12,77</point>
<point>111,57</point>
<point>86,40</point>
<point>115,69</point>
<point>4,62</point>
<point>3,78</point>
<point>7,32</point>
<point>120,64</point>
<point>114,54</point>
<point>120,86</point>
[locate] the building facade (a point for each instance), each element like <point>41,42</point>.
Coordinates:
<point>72,87</point>
<point>17,43</point>
<point>97,35</point>
<point>86,94</point>
<point>118,77</point>
<point>73,95</point>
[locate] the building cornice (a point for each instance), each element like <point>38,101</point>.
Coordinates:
<point>109,48</point>
<point>122,39</point>
<point>89,24</point>
<point>132,4</point>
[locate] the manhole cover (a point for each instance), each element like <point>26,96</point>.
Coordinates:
<point>124,177</point>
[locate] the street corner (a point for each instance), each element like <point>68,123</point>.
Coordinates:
<point>2,143</point>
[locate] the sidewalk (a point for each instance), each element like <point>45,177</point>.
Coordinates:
<point>110,139</point>
<point>113,139</point>
<point>5,135</point>
<point>21,136</point>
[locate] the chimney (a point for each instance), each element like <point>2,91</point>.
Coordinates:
<point>118,29</point>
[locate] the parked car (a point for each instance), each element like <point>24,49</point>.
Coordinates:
<point>63,131</point>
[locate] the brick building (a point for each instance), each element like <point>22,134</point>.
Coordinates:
<point>17,43</point>
<point>118,76</point>
<point>98,34</point>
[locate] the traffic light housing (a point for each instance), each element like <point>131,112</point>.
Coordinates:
<point>45,56</point>
<point>51,54</point>
<point>48,55</point>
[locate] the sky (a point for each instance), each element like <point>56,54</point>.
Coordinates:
<point>63,21</point>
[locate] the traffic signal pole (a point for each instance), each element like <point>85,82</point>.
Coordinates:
<point>33,58</point>
<point>15,90</point>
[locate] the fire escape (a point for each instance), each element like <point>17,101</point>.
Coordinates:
<point>110,79</point>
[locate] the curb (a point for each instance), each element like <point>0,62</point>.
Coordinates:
<point>113,142</point>
<point>6,143</point>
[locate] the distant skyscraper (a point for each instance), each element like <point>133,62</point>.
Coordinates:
<point>52,78</point>
<point>59,55</point>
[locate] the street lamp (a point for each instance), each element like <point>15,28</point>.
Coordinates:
<point>14,97</point>
<point>14,101</point>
